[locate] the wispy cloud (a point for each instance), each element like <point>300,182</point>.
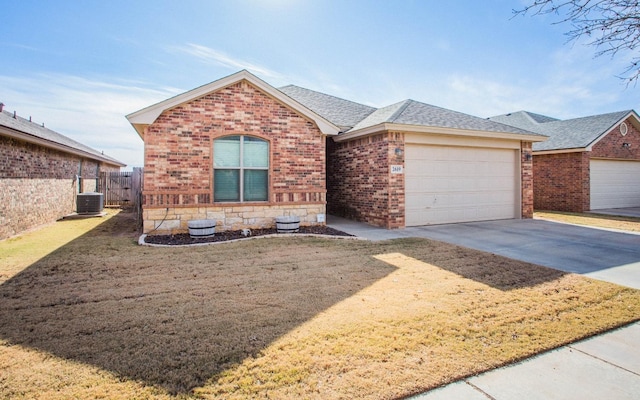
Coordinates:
<point>209,55</point>
<point>90,111</point>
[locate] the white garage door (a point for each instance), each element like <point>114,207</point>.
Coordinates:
<point>615,184</point>
<point>446,184</point>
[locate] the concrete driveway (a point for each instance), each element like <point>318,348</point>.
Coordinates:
<point>601,254</point>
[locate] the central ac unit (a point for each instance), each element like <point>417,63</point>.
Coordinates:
<point>90,203</point>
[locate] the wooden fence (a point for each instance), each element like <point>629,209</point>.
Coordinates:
<point>122,189</point>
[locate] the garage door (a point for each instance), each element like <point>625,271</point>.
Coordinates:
<point>615,184</point>
<point>446,184</point>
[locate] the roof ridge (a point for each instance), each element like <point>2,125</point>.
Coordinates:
<point>396,114</point>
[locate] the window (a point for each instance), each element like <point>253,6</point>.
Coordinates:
<point>240,169</point>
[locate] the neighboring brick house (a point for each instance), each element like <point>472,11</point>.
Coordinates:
<point>588,163</point>
<point>243,152</point>
<point>39,173</point>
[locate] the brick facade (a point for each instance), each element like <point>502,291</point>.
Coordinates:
<point>360,183</point>
<point>178,173</point>
<point>38,185</point>
<point>562,180</point>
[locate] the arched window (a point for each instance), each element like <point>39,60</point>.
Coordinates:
<point>240,169</point>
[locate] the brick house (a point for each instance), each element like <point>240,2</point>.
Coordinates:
<point>588,163</point>
<point>243,152</point>
<point>41,171</point>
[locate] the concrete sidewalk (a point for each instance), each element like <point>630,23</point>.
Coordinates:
<point>603,367</point>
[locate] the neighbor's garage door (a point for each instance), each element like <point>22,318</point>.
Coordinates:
<point>446,184</point>
<point>615,184</point>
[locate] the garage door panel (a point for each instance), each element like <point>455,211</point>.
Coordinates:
<point>614,184</point>
<point>446,184</point>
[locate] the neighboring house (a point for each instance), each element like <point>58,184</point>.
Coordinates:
<point>588,163</point>
<point>40,171</point>
<point>243,152</point>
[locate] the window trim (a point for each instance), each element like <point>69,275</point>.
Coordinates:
<point>242,168</point>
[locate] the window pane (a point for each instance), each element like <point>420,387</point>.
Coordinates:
<point>255,185</point>
<point>226,185</point>
<point>226,152</point>
<point>255,152</point>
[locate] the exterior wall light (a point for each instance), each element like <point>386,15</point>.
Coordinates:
<point>626,145</point>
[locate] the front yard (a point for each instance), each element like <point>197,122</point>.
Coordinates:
<point>96,316</point>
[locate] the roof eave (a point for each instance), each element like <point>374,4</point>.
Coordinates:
<point>146,116</point>
<point>25,137</point>
<point>385,126</point>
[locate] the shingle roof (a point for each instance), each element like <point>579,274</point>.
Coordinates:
<point>564,134</point>
<point>352,116</point>
<point>411,112</point>
<point>34,130</point>
<point>341,112</point>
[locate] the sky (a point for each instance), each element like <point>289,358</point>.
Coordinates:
<point>81,66</point>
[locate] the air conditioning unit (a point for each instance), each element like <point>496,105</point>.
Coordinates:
<point>90,203</point>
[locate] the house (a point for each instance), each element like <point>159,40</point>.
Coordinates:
<point>588,163</point>
<point>41,171</point>
<point>243,152</point>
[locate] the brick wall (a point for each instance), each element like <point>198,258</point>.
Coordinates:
<point>561,182</point>
<point>37,185</point>
<point>178,169</point>
<point>611,146</point>
<point>526,175</point>
<point>360,185</point>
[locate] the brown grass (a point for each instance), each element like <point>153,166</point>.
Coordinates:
<point>596,220</point>
<point>101,317</point>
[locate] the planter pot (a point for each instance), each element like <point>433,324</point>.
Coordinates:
<point>202,228</point>
<point>289,224</point>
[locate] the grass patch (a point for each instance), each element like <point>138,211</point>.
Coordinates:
<point>596,220</point>
<point>280,318</point>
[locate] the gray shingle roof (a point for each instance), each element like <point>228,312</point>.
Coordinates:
<point>341,112</point>
<point>411,112</point>
<point>564,134</point>
<point>351,116</point>
<point>27,127</point>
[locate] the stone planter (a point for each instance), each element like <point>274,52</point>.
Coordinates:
<point>288,224</point>
<point>202,228</point>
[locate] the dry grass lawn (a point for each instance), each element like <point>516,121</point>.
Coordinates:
<point>100,317</point>
<point>597,220</point>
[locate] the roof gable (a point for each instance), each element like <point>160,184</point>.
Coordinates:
<point>25,130</point>
<point>145,117</point>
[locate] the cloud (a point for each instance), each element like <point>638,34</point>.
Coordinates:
<point>90,111</point>
<point>209,55</point>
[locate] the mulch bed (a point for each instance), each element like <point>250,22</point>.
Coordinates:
<point>184,238</point>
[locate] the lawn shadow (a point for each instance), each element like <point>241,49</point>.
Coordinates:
<point>175,317</point>
<point>493,270</point>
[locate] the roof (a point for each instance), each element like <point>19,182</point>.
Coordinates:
<point>356,119</point>
<point>22,129</point>
<point>145,117</point>
<point>344,113</point>
<point>576,133</point>
<point>411,112</point>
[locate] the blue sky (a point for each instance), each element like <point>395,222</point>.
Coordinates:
<point>81,66</point>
